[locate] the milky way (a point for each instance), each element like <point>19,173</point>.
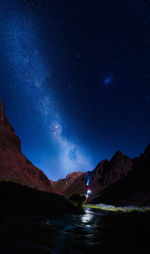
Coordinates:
<point>75,80</point>
<point>24,57</point>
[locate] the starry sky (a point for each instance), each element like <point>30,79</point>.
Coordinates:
<point>75,79</point>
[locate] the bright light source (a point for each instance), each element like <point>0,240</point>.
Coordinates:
<point>89,191</point>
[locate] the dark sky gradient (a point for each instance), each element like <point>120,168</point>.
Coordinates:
<point>75,79</point>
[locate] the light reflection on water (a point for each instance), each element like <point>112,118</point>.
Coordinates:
<point>91,231</point>
<point>87,217</point>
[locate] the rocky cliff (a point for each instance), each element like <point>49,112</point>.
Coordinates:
<point>101,177</point>
<point>120,181</point>
<point>134,189</point>
<point>74,183</point>
<point>14,166</point>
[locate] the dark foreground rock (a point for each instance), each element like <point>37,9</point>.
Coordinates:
<point>78,199</point>
<point>22,212</point>
<point>16,199</point>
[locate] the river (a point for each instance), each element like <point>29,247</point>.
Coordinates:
<point>94,231</point>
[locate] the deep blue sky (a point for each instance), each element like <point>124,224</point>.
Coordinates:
<point>75,79</point>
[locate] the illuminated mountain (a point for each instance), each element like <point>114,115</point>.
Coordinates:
<point>119,181</point>
<point>101,177</point>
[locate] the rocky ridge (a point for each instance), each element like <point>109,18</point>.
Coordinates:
<point>14,166</point>
<point>106,173</point>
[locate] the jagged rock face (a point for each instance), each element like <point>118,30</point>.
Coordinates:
<point>108,172</point>
<point>133,189</point>
<point>72,180</point>
<point>120,181</point>
<point>78,186</point>
<point>101,177</point>
<point>51,182</point>
<point>8,138</point>
<point>14,166</point>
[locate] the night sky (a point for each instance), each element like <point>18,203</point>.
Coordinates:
<point>75,79</point>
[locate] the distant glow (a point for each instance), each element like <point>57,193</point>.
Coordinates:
<point>88,181</point>
<point>71,156</point>
<point>108,80</point>
<point>89,191</point>
<point>88,178</point>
